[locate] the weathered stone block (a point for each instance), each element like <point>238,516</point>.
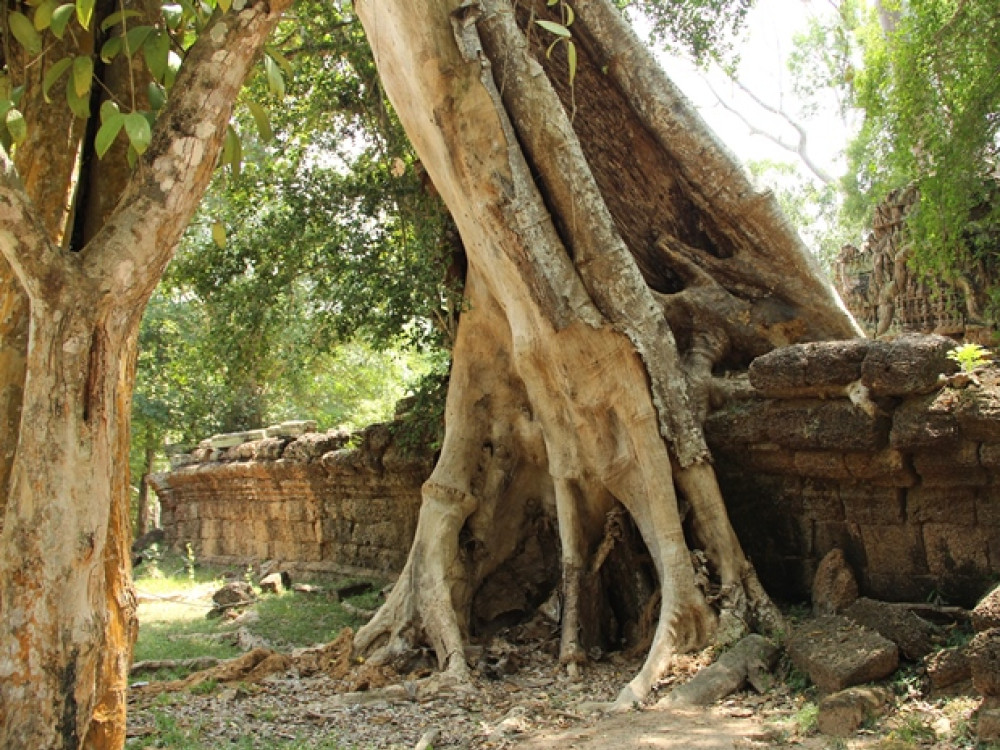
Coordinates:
<point>912,634</point>
<point>824,425</point>
<point>829,535</point>
<point>838,654</point>
<point>924,422</point>
<point>882,468</point>
<point>950,466</point>
<point>821,501</point>
<point>812,369</point>
<point>835,586</point>
<point>768,458</point>
<point>881,506</point>
<point>821,465</point>
<point>941,505</point>
<point>977,411</point>
<point>986,614</point>
<point>908,365</point>
<point>989,456</point>
<point>984,661</point>
<point>843,713</point>
<point>898,549</point>
<point>955,550</point>
<point>948,667</point>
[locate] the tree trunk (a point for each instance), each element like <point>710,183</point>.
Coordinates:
<point>143,515</point>
<point>67,614</point>
<point>617,259</point>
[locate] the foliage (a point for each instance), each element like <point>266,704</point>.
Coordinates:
<point>318,275</point>
<point>970,356</point>
<point>930,95</point>
<point>703,29</point>
<point>813,208</point>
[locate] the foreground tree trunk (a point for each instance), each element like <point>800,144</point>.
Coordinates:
<point>617,259</point>
<point>66,607</point>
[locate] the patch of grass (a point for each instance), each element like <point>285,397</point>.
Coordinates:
<point>205,688</point>
<point>173,625</point>
<point>290,620</point>
<point>914,730</point>
<point>807,718</point>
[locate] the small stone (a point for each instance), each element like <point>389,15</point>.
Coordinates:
<point>835,586</point>
<point>843,713</point>
<point>237,592</point>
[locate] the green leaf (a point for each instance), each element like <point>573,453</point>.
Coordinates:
<point>111,48</point>
<point>138,131</point>
<point>571,58</point>
<point>570,15</point>
<point>262,120</point>
<point>16,93</point>
<point>24,32</point>
<point>53,74</point>
<point>275,54</point>
<point>555,28</point>
<point>117,17</point>
<point>43,15</point>
<point>16,125</point>
<point>83,74</point>
<point>232,151</point>
<point>85,12</point>
<point>60,18</point>
<point>172,15</point>
<point>225,5</point>
<point>78,105</point>
<point>109,109</point>
<point>219,235</point>
<point>157,96</point>
<point>135,38</point>
<point>108,132</point>
<point>156,50</point>
<point>275,80</point>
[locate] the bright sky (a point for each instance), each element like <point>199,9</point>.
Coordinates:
<point>770,30</point>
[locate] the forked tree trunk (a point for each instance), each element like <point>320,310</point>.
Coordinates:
<point>616,259</point>
<point>67,613</point>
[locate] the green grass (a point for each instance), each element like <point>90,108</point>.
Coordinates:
<point>175,597</point>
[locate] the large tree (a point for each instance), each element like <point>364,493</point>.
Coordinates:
<point>618,259</point>
<point>66,610</point>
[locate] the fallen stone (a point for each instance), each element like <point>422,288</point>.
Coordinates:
<point>988,725</point>
<point>836,653</point>
<point>986,614</point>
<point>355,589</point>
<point>913,635</point>
<point>843,713</point>
<point>948,667</point>
<point>275,583</point>
<point>984,662</point>
<point>835,586</point>
<point>235,593</point>
<point>751,659</point>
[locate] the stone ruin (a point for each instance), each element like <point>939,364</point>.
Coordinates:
<point>861,445</point>
<point>887,297</point>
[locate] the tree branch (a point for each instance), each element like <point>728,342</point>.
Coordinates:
<point>24,241</point>
<point>134,246</point>
<point>800,148</point>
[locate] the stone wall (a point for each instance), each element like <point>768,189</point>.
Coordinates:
<point>308,501</point>
<point>886,296</point>
<point>859,445</point>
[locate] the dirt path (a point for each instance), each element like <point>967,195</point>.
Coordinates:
<point>662,729</point>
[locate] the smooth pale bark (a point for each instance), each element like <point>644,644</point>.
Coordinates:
<point>571,392</point>
<point>66,608</point>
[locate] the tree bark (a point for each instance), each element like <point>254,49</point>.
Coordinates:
<point>66,608</point>
<point>617,258</point>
